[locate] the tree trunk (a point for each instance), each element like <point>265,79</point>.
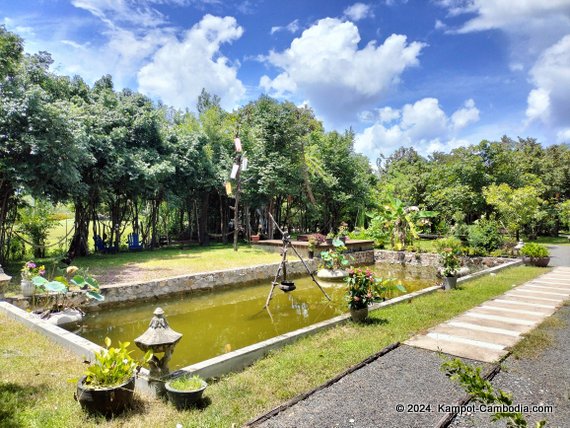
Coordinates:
<point>203,238</point>
<point>79,245</point>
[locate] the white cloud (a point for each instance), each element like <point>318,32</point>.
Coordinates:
<point>388,114</point>
<point>138,12</point>
<point>550,100</point>
<point>292,27</point>
<point>493,14</point>
<point>563,136</point>
<point>326,66</point>
<point>358,11</point>
<point>423,125</point>
<point>181,68</point>
<point>440,25</point>
<point>532,25</point>
<point>465,116</point>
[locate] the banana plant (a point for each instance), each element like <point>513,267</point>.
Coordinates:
<point>399,221</point>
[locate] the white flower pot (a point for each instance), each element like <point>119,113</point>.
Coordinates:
<point>27,287</point>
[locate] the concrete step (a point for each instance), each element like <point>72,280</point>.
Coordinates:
<point>458,349</point>
<point>518,328</point>
<point>524,301</point>
<point>521,306</point>
<point>491,309</point>
<point>483,336</point>
<point>531,297</point>
<point>547,293</point>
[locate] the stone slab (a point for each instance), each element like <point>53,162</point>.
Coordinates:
<point>510,314</point>
<point>516,306</point>
<point>525,301</point>
<point>457,349</point>
<point>493,323</point>
<point>484,336</point>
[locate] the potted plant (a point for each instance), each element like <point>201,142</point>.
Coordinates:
<point>363,288</point>
<point>343,232</point>
<point>450,264</point>
<point>108,384</point>
<point>29,271</point>
<point>329,238</point>
<point>185,391</point>
<point>333,262</point>
<point>535,255</point>
<point>311,246</point>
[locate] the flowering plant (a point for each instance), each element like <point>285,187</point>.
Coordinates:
<point>74,279</point>
<point>364,287</point>
<point>315,240</point>
<point>31,269</point>
<point>449,262</point>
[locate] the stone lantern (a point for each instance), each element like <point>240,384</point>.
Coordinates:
<point>159,338</point>
<point>4,280</point>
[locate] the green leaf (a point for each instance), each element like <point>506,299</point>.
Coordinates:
<point>55,286</point>
<point>95,296</point>
<point>92,282</point>
<point>39,281</point>
<point>337,242</point>
<point>62,280</point>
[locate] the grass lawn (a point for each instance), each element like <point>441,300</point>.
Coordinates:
<point>559,240</point>
<point>164,262</point>
<point>33,390</point>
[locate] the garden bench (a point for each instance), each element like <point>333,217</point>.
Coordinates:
<point>101,247</point>
<point>133,241</point>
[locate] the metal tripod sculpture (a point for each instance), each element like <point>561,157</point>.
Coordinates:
<point>282,270</point>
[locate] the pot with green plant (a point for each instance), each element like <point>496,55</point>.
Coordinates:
<point>535,255</point>
<point>108,384</point>
<point>450,264</point>
<point>311,246</point>
<point>343,232</point>
<point>185,391</point>
<point>333,262</point>
<point>364,288</point>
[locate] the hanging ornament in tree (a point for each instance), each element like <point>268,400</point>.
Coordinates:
<point>244,163</point>
<point>235,169</point>
<point>237,143</point>
<point>228,188</point>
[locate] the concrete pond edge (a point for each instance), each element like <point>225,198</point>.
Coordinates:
<point>222,364</point>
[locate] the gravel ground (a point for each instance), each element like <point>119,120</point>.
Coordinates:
<point>542,380</point>
<point>559,255</point>
<point>368,396</point>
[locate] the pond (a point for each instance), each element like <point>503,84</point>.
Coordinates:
<point>220,321</point>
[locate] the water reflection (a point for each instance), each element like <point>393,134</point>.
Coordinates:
<point>213,323</point>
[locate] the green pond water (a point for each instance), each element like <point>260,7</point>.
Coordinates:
<point>216,322</point>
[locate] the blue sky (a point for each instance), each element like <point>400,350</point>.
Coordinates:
<point>429,74</point>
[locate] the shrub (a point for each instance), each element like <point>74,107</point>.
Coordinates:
<point>448,242</point>
<point>485,233</point>
<point>534,250</point>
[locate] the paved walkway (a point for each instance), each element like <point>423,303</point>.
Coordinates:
<point>406,388</point>
<point>559,255</point>
<point>486,333</point>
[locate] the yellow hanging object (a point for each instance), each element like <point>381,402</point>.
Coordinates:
<point>228,188</point>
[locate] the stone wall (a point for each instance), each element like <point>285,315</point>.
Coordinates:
<point>430,259</point>
<point>128,292</point>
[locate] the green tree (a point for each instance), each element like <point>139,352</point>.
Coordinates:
<point>518,208</point>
